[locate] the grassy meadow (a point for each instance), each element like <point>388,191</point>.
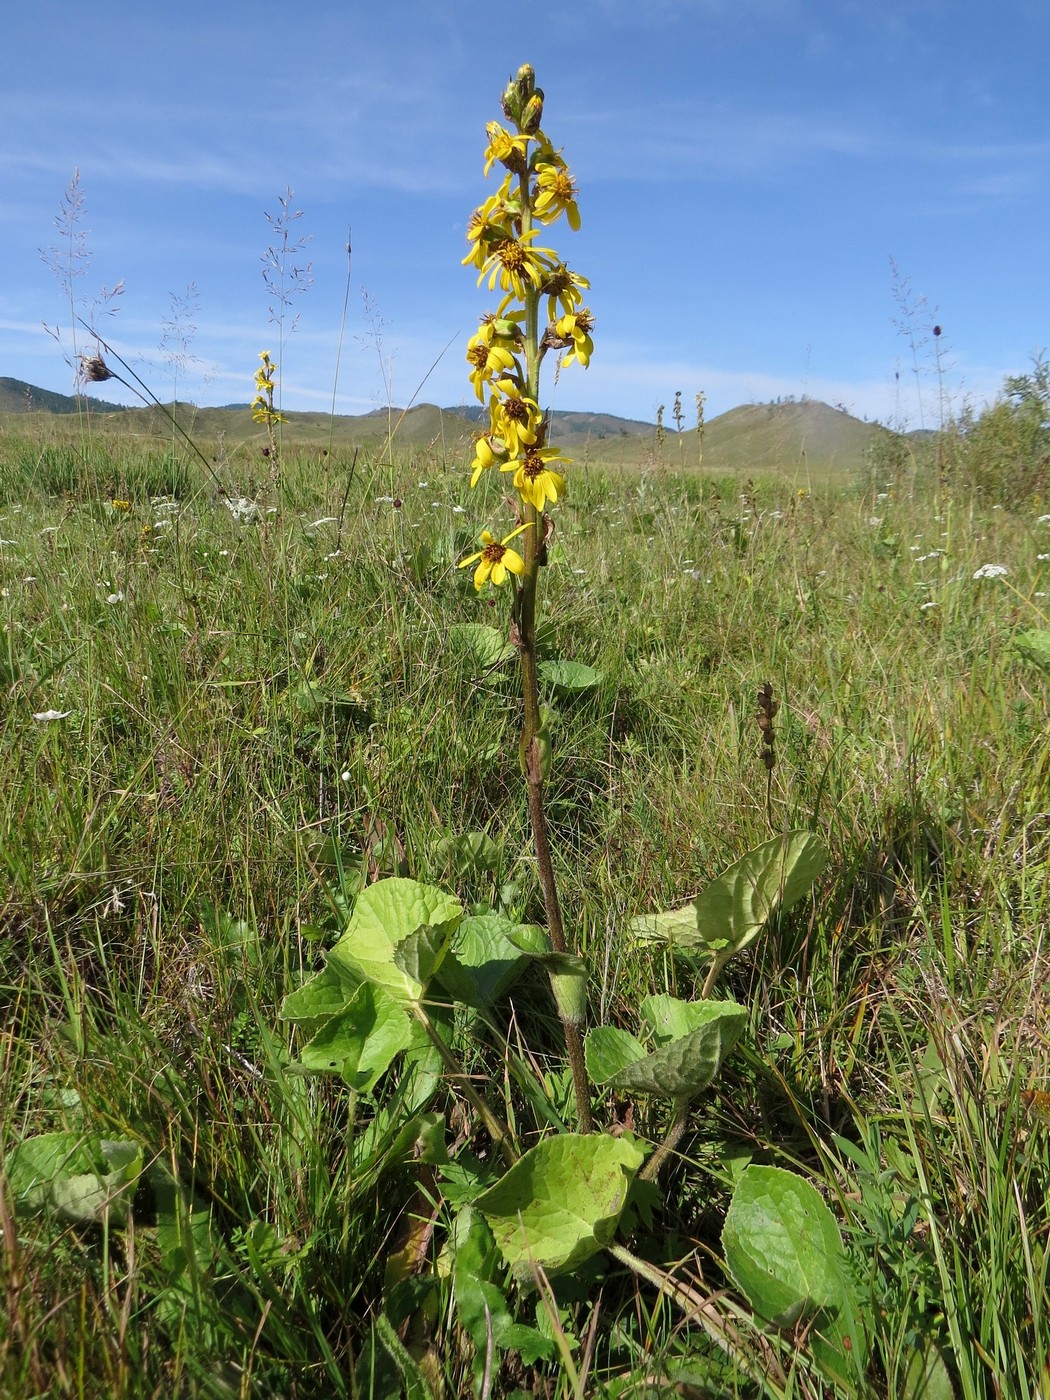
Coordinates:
<point>223,716</point>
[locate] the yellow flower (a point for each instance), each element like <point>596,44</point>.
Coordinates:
<point>562,288</point>
<point>534,479</point>
<point>494,559</point>
<point>514,418</point>
<point>509,150</point>
<point>556,193</point>
<point>576,328</point>
<point>488,450</point>
<point>119,504</point>
<point>264,412</point>
<point>489,223</point>
<point>488,359</point>
<point>516,266</point>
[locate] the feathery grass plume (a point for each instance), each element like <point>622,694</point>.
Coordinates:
<point>286,276</point>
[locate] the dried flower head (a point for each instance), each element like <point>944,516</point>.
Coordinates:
<point>94,370</point>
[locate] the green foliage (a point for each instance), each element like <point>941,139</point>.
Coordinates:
<point>183,848</point>
<point>82,1180</point>
<point>1006,451</point>
<point>694,1039</point>
<point>784,1249</point>
<point>1034,646</point>
<point>730,913</point>
<point>561,1203</point>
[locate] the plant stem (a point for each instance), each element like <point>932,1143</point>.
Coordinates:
<point>767,1372</point>
<point>530,750</point>
<point>674,1136</point>
<point>497,1129</point>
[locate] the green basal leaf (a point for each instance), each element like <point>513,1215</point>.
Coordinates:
<point>32,1166</point>
<point>681,1068</point>
<point>387,915</point>
<point>731,912</point>
<point>608,1050</point>
<point>471,854</point>
<point>1034,646</point>
<point>361,1041</point>
<point>783,1248</point>
<point>482,963</point>
<point>486,646</point>
<point>83,1179</point>
<point>671,1018</point>
<point>421,954</point>
<point>531,940</point>
<point>325,994</point>
<point>570,677</point>
<point>675,926</point>
<point>927,1376</point>
<point>768,880</point>
<point>561,1202</point>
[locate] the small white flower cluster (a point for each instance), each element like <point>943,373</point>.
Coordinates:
<point>243,509</point>
<point>992,571</point>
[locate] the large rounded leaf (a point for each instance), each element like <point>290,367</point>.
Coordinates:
<point>1034,646</point>
<point>361,1041</point>
<point>397,936</point>
<point>84,1179</point>
<point>608,1050</point>
<point>482,964</point>
<point>783,1247</point>
<point>561,1203</point>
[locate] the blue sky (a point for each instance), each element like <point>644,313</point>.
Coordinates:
<point>748,169</point>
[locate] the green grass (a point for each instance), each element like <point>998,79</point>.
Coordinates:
<point>249,700</point>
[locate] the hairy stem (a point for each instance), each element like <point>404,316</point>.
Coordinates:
<point>530,751</point>
<point>651,1170</point>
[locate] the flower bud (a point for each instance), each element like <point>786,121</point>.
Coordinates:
<point>511,101</point>
<point>526,81</point>
<point>532,113</point>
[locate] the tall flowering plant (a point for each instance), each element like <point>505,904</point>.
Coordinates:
<point>540,310</point>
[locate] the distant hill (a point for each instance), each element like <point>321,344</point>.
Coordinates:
<point>788,438</point>
<point>16,396</point>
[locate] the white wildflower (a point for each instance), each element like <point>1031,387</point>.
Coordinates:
<point>243,509</point>
<point>46,715</point>
<point>992,571</point>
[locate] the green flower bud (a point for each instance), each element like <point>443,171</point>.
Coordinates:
<point>526,81</point>
<point>532,113</point>
<point>511,101</point>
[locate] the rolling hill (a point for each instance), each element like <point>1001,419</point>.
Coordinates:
<point>793,437</point>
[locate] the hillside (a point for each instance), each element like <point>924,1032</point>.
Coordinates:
<point>796,436</point>
<point>16,396</point>
<point>790,438</point>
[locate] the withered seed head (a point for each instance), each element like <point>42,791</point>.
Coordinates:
<point>94,370</point>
